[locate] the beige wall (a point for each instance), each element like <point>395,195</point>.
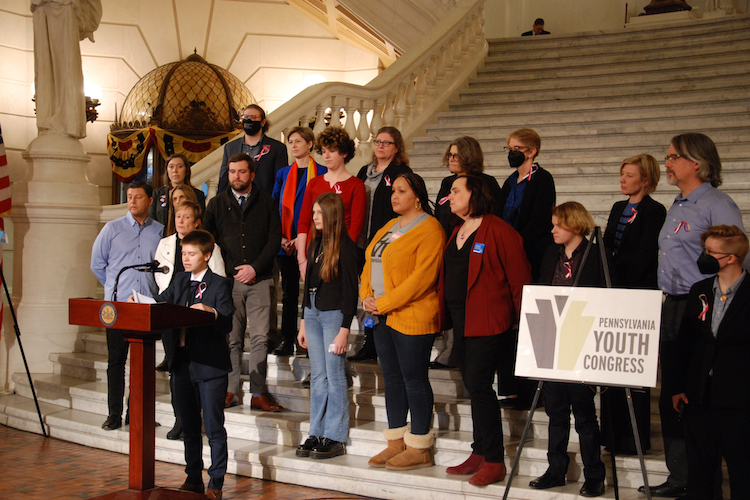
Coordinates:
<point>509,18</point>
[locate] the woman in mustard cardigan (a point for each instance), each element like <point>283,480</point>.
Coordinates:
<point>399,290</point>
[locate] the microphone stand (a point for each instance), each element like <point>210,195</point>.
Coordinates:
<point>23,355</point>
<point>148,266</point>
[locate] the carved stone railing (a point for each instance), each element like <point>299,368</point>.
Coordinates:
<point>406,95</point>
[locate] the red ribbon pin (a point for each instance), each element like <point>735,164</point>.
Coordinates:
<point>682,224</point>
<point>632,217</point>
<point>704,303</point>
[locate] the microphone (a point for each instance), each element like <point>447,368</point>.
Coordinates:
<point>152,266</point>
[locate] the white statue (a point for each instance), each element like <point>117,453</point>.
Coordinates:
<point>59,26</point>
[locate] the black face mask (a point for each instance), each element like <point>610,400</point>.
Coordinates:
<point>251,127</point>
<point>516,158</point>
<point>708,264</point>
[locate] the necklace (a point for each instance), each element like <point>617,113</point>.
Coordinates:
<point>468,230</point>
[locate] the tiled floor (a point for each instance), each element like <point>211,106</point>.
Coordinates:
<point>46,469</point>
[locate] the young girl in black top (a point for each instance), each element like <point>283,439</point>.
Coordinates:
<point>330,303</point>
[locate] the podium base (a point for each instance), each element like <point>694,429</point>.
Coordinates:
<point>152,494</point>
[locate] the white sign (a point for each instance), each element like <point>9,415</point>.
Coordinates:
<point>599,336</point>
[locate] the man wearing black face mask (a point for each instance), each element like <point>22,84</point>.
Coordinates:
<point>268,154</point>
<point>694,166</point>
<point>712,383</point>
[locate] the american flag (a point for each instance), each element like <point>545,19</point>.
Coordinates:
<point>4,201</point>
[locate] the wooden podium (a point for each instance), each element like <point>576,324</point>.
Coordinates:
<point>142,325</point>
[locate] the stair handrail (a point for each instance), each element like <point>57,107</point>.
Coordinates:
<point>405,95</point>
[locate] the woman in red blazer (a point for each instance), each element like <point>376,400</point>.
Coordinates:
<point>484,270</point>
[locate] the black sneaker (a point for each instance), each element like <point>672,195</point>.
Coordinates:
<point>305,448</point>
<point>327,448</point>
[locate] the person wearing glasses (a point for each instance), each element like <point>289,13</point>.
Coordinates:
<point>526,202</point>
<point>693,165</point>
<point>632,240</point>
<point>463,156</point>
<point>389,160</point>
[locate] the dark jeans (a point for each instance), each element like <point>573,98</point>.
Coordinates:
<point>477,361</point>
<point>405,360</point>
<point>192,395</point>
<point>559,397</point>
<point>290,296</point>
<point>117,355</point>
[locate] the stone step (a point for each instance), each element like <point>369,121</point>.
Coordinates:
<point>497,94</point>
<point>650,76</point>
<point>93,367</point>
<point>457,122</point>
<point>706,57</point>
<point>606,104</point>
<point>50,387</point>
<point>350,472</point>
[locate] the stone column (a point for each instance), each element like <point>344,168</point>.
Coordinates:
<point>55,217</point>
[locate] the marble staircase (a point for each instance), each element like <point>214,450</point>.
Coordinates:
<point>597,98</point>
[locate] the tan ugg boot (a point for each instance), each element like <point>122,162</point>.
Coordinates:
<point>395,438</point>
<point>418,453</point>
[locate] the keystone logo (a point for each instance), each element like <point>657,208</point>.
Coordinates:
<point>573,331</point>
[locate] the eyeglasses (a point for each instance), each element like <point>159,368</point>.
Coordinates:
<point>672,158</point>
<point>712,253</point>
<point>508,149</point>
<point>385,144</point>
<point>451,156</point>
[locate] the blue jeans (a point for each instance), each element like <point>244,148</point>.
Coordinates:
<point>405,360</point>
<point>329,391</point>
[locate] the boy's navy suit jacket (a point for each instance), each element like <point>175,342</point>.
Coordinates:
<point>206,345</point>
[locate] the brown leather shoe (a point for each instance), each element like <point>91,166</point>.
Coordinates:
<point>195,488</point>
<point>212,494</point>
<point>264,403</point>
<point>231,400</point>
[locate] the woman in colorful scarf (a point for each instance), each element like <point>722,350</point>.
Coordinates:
<point>289,189</point>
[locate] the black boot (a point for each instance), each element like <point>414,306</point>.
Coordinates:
<point>176,432</point>
<point>367,352</point>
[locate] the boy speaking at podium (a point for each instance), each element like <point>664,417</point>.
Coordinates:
<point>201,363</point>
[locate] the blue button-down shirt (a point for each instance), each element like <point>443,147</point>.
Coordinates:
<point>122,242</point>
<point>680,236</point>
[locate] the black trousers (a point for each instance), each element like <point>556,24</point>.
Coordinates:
<point>290,296</point>
<point>672,428</point>
<point>117,355</point>
<point>191,395</point>
<point>617,431</point>
<point>559,397</point>
<point>712,433</point>
<point>478,361</point>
